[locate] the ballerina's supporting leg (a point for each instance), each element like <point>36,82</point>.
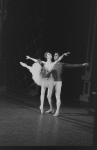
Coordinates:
<point>49,97</point>
<point>35,72</point>
<point>42,99</point>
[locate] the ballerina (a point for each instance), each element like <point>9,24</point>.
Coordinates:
<point>39,74</point>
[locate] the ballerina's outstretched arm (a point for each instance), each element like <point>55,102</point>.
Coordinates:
<point>35,60</point>
<point>28,57</point>
<point>52,65</point>
<point>65,54</point>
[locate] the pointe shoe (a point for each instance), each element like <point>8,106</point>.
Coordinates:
<point>50,111</point>
<point>23,64</point>
<point>41,109</point>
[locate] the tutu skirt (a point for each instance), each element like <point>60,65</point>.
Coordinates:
<point>39,79</point>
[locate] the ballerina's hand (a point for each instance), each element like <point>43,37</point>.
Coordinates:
<point>85,64</point>
<point>27,57</point>
<point>66,54</point>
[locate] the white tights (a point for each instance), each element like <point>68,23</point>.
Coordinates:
<point>58,85</point>
<point>43,89</point>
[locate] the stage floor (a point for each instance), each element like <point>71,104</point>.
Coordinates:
<point>21,124</point>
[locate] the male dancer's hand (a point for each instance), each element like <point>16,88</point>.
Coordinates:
<point>85,64</point>
<point>66,54</point>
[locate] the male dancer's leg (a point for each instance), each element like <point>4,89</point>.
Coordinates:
<point>49,97</point>
<point>58,86</point>
<point>42,98</point>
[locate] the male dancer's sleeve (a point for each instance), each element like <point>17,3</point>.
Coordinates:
<point>66,65</point>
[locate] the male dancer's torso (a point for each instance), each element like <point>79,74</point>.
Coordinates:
<point>57,71</point>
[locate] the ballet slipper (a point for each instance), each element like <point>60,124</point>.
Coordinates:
<point>56,114</point>
<point>50,111</point>
<point>23,64</point>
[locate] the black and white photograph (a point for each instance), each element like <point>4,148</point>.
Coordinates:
<point>48,87</point>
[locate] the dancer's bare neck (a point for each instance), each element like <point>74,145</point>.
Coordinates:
<point>49,60</point>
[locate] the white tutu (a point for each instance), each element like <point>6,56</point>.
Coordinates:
<point>38,78</point>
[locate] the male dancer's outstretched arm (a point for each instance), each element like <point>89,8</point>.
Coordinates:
<point>75,65</point>
<point>69,66</point>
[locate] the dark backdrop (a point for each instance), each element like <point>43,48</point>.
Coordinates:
<point>66,28</point>
<point>62,25</point>
<point>22,35</point>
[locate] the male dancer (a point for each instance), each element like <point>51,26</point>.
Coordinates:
<point>56,73</point>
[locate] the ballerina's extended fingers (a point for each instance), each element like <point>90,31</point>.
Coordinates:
<point>66,54</point>
<point>27,57</point>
